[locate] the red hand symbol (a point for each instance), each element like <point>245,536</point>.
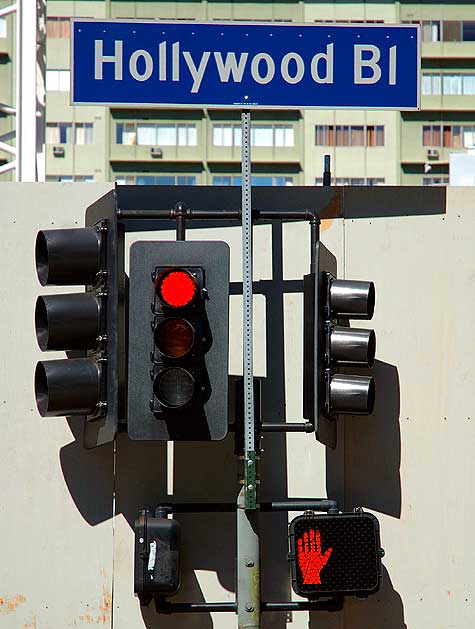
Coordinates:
<point>310,558</point>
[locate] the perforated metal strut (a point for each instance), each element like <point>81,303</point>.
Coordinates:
<point>248,568</point>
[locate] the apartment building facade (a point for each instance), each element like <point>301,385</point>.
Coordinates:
<point>202,146</point>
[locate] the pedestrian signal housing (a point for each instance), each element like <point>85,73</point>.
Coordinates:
<point>335,554</point>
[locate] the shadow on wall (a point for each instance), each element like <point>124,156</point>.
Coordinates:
<point>383,610</point>
<point>371,449</point>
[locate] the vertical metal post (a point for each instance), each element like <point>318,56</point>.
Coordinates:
<point>248,569</point>
<point>314,238</point>
<point>30,61</point>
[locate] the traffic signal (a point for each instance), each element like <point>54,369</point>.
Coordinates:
<point>83,323</point>
<point>330,344</point>
<point>335,554</point>
<point>178,340</point>
<point>157,555</point>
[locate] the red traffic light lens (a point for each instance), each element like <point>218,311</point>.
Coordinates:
<point>174,337</point>
<point>176,288</point>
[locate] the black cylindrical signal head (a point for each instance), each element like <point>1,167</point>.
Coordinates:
<point>67,256</point>
<point>174,337</point>
<point>69,321</point>
<point>353,347</point>
<point>67,387</point>
<point>176,288</point>
<point>352,299</point>
<point>174,387</point>
<point>352,395</point>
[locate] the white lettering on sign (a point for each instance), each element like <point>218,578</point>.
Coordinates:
<point>196,72</point>
<point>100,59</point>
<point>231,66</point>
<point>328,59</point>
<point>371,63</point>
<point>299,68</point>
<point>256,61</point>
<point>133,63</point>
<point>235,67</point>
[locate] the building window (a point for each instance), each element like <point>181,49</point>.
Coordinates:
<point>3,27</point>
<point>349,135</point>
<point>257,180</point>
<point>449,84</point>
<point>445,30</point>
<point>430,30</point>
<point>431,84</point>
<point>264,135</point>
<point>435,181</point>
<point>353,181</point>
<point>83,133</point>
<point>58,27</point>
<point>450,136</point>
<point>57,80</point>
<point>69,133</point>
<point>157,180</point>
<point>156,134</point>
<point>71,178</point>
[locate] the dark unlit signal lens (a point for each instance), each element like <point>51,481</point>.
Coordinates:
<point>174,337</point>
<point>352,299</point>
<point>67,387</point>
<point>352,346</point>
<point>352,395</point>
<point>174,387</point>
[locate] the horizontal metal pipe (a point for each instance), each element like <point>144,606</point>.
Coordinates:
<point>295,504</point>
<point>166,607</point>
<point>295,606</point>
<point>287,427</point>
<point>302,215</point>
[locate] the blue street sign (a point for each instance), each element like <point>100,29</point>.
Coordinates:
<point>245,65</point>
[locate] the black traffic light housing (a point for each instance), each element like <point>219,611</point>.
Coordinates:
<point>330,345</point>
<point>178,340</point>
<point>87,325</point>
<point>157,555</point>
<point>335,554</point>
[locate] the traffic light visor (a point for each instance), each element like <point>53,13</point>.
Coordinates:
<point>67,256</point>
<point>176,288</point>
<point>352,299</point>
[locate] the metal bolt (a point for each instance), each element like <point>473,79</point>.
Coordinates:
<point>249,462</point>
<point>250,486</point>
<point>248,563</point>
<point>249,607</point>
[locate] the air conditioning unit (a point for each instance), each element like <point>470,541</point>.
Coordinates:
<point>58,151</point>
<point>156,151</point>
<point>432,154</point>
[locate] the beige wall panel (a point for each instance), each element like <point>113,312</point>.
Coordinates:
<point>56,526</point>
<point>63,557</point>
